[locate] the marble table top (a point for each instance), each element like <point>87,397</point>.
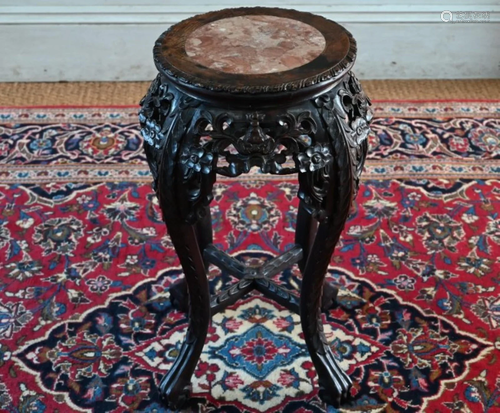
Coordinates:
<point>250,51</point>
<point>254,44</point>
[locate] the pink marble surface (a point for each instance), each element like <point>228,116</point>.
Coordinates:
<point>254,44</point>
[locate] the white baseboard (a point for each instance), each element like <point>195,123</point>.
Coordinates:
<point>106,43</point>
<point>170,14</point>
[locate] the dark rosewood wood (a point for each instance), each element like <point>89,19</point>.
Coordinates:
<point>253,278</point>
<point>312,120</point>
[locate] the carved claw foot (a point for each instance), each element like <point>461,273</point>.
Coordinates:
<point>336,393</point>
<point>175,400</point>
<point>335,386</point>
<point>175,386</point>
<point>332,398</point>
<point>329,299</point>
<point>179,296</point>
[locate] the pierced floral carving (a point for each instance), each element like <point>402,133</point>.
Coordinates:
<point>255,140</point>
<point>354,115</point>
<point>196,159</point>
<point>277,144</point>
<point>314,158</point>
<point>347,111</point>
<point>245,140</point>
<point>151,132</point>
<point>157,103</point>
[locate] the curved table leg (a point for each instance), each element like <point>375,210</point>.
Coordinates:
<point>334,383</point>
<point>329,192</point>
<point>176,384</point>
<point>176,183</point>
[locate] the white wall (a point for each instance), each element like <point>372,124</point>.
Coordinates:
<point>72,40</point>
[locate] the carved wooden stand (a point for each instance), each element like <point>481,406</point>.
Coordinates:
<point>188,130</point>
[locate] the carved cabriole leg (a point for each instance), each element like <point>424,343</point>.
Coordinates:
<point>330,191</point>
<point>166,133</point>
<point>333,382</point>
<point>176,384</point>
<point>189,240</point>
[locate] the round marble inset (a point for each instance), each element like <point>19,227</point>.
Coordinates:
<point>254,44</point>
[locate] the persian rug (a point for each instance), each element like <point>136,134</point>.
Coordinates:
<point>85,319</point>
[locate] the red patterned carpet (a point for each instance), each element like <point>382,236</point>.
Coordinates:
<point>85,320</point>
